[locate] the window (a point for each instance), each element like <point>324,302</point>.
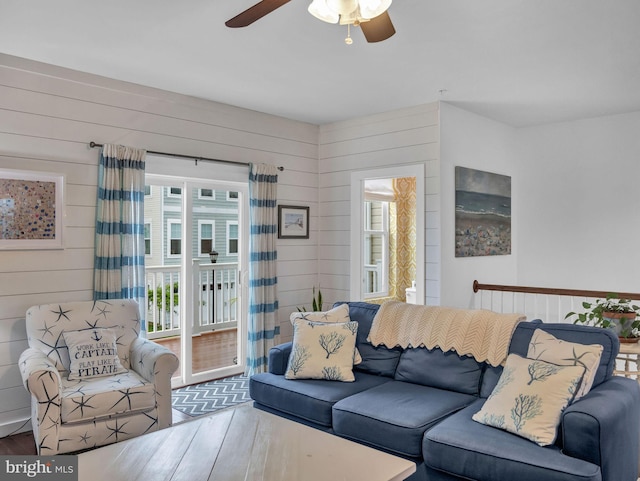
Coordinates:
<point>147,190</point>
<point>376,249</point>
<point>174,228</point>
<point>206,194</point>
<point>232,238</point>
<point>206,230</point>
<point>174,192</point>
<point>232,195</point>
<point>147,238</point>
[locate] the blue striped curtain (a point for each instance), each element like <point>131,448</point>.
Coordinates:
<point>119,263</point>
<point>263,328</point>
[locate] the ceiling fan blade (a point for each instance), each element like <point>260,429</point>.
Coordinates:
<point>379,28</point>
<point>254,13</point>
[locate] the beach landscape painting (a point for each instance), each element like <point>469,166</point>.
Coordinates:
<point>483,213</point>
<point>293,222</point>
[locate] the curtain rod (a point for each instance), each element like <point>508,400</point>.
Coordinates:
<point>95,145</point>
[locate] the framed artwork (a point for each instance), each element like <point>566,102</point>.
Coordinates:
<point>293,222</point>
<point>483,213</point>
<point>31,210</point>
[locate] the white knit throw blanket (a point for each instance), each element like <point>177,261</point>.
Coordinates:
<point>480,333</point>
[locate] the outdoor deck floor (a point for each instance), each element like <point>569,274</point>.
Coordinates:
<point>211,350</point>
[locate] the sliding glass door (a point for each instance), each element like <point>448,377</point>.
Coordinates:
<point>194,271</point>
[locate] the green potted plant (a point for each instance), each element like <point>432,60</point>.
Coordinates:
<point>611,313</point>
<point>316,303</point>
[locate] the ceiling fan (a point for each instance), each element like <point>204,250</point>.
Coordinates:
<point>370,15</point>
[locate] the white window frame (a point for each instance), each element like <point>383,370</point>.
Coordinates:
<point>172,195</point>
<point>207,197</point>
<point>232,199</point>
<point>228,237</point>
<point>148,222</point>
<point>212,223</point>
<point>170,222</point>
<point>358,179</point>
<point>384,234</point>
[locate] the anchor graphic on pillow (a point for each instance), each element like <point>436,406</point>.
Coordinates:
<point>96,337</point>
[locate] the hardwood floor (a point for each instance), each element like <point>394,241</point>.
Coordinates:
<point>23,443</point>
<point>18,444</point>
<point>210,350</point>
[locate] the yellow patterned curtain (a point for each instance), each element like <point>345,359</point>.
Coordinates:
<point>405,238</point>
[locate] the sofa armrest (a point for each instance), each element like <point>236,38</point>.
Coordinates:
<point>279,358</point>
<point>156,364</point>
<point>603,424</point>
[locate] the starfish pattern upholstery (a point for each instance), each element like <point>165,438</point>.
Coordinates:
<point>73,415</point>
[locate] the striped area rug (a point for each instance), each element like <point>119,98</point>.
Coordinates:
<point>211,396</point>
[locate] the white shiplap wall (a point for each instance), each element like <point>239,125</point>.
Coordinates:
<point>401,137</point>
<point>47,117</point>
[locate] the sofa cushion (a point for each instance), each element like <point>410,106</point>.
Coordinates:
<point>546,347</point>
<point>572,333</point>
<point>308,399</point>
<point>322,351</point>
<point>101,397</point>
<point>530,397</point>
<point>444,370</point>
<point>463,448</point>
<point>395,415</point>
<point>375,360</point>
<point>339,313</point>
<point>490,378</point>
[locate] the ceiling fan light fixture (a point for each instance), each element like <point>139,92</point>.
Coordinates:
<point>372,8</point>
<point>321,11</point>
<point>370,15</point>
<point>342,7</point>
<point>347,12</point>
<point>352,18</point>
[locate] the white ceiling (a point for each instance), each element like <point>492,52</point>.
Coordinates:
<point>523,62</point>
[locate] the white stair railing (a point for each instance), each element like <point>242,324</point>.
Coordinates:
<point>548,304</point>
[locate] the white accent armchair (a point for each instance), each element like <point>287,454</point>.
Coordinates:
<point>73,415</point>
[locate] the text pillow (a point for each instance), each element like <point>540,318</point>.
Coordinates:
<point>530,397</point>
<point>93,353</point>
<point>337,314</point>
<point>322,351</point>
<point>547,347</point>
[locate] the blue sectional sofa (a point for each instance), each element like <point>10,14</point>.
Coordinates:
<point>419,404</point>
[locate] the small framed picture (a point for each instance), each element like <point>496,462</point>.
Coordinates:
<point>293,222</point>
<point>31,210</point>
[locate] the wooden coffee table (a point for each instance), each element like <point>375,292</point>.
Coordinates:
<point>240,444</point>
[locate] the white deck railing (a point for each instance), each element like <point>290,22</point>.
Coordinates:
<point>215,298</point>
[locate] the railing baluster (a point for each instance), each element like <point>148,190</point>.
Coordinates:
<point>162,300</point>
